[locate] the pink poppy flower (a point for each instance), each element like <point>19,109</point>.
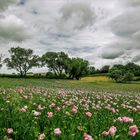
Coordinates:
<point>40,107</point>
<point>133,130</point>
<point>58,109</point>
<point>41,136</point>
<point>36,113</point>
<point>112,130</point>
<point>50,114</point>
<point>57,131</point>
<point>87,137</point>
<point>125,120</point>
<point>88,114</point>
<point>10,130</point>
<point>105,133</point>
<point>23,109</point>
<point>74,110</point>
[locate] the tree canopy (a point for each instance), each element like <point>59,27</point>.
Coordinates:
<point>22,60</point>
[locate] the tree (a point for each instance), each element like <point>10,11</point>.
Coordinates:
<point>78,68</point>
<point>105,69</point>
<point>57,62</point>
<point>22,60</point>
<point>92,70</point>
<point>118,75</point>
<point>0,60</point>
<point>133,68</point>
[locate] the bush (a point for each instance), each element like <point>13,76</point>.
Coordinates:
<point>119,76</point>
<point>50,75</point>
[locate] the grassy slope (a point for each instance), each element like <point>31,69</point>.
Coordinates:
<point>94,83</point>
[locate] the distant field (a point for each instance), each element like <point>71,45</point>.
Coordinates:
<point>96,79</point>
<point>95,83</point>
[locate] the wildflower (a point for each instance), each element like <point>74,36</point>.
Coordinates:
<point>52,105</point>
<point>26,107</point>
<point>10,130</point>
<point>23,109</point>
<point>87,137</point>
<point>112,130</point>
<point>50,114</point>
<point>133,130</point>
<point>125,120</point>
<point>40,107</point>
<point>41,136</point>
<point>88,114</point>
<point>67,113</point>
<point>58,109</point>
<point>105,133</point>
<point>20,91</point>
<point>74,110</point>
<point>36,113</point>
<point>57,131</point>
<point>113,110</point>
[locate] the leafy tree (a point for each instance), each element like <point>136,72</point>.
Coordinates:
<point>105,69</point>
<point>78,68</point>
<point>57,62</point>
<point>129,76</point>
<point>133,68</point>
<point>91,70</point>
<point>118,75</point>
<point>0,60</point>
<point>22,60</point>
<point>115,74</point>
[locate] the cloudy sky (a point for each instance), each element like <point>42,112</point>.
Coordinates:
<point>101,31</point>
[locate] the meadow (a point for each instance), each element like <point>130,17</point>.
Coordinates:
<point>48,109</point>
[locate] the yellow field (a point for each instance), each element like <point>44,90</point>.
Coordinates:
<point>96,78</point>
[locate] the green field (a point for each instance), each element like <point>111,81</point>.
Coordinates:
<point>97,83</point>
<point>93,108</point>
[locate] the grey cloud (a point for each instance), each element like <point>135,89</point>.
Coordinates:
<point>126,24</point>
<point>13,29</point>
<point>5,3</point>
<point>111,53</point>
<point>78,15</point>
<point>102,31</point>
<point>132,3</point>
<point>21,2</point>
<point>136,58</point>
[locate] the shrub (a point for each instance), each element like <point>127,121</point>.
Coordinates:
<point>119,76</point>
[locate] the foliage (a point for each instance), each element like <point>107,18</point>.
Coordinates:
<point>56,62</point>
<point>78,68</point>
<point>119,75</point>
<point>63,66</point>
<point>21,60</point>
<point>91,70</point>
<point>1,60</point>
<point>105,69</point>
<point>133,68</point>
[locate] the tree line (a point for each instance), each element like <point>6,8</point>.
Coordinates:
<point>60,65</point>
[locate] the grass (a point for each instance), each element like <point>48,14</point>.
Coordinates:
<point>33,109</point>
<point>100,83</point>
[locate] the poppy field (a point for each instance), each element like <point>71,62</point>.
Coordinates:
<point>38,113</point>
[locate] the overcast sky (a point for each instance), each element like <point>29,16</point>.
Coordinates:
<point>101,31</point>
